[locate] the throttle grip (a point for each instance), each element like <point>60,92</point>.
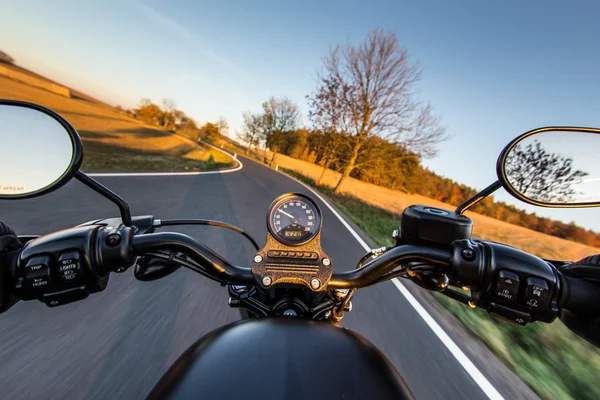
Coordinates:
<point>580,296</point>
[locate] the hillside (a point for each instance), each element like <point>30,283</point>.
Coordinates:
<point>112,140</point>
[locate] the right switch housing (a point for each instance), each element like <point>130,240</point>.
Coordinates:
<point>507,282</point>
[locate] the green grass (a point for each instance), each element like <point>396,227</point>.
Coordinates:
<point>103,157</point>
<point>551,359</point>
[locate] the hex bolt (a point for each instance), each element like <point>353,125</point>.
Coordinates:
<point>468,254</point>
<point>267,281</point>
<point>258,258</point>
<point>113,240</point>
<point>326,262</point>
<point>315,283</point>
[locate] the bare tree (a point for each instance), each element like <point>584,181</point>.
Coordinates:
<point>367,90</point>
<point>252,129</point>
<point>145,102</point>
<point>223,126</point>
<point>179,118</point>
<point>169,107</point>
<point>280,116</point>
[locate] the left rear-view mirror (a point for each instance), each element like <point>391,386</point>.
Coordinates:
<point>553,167</point>
<point>41,151</point>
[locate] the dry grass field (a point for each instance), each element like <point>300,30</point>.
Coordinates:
<point>484,227</point>
<point>112,140</point>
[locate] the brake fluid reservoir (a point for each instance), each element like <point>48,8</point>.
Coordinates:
<point>435,225</point>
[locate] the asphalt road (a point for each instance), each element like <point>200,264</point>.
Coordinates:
<point>117,344</point>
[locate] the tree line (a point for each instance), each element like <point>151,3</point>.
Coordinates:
<point>167,116</point>
<point>391,165</point>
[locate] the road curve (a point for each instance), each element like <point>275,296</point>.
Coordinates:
<point>117,344</point>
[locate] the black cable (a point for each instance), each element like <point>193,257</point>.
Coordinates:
<point>372,253</point>
<point>401,273</point>
<point>171,222</point>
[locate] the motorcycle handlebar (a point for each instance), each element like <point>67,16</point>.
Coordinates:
<point>482,266</point>
<point>229,273</point>
<point>387,262</point>
<point>203,255</point>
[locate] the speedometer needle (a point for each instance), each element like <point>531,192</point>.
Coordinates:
<point>289,215</point>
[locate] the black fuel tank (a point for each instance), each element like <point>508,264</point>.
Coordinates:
<point>281,358</point>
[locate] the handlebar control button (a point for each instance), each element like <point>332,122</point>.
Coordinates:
<point>69,267</point>
<point>36,273</point>
<point>508,314</point>
<point>536,292</point>
<point>65,297</point>
<point>507,285</point>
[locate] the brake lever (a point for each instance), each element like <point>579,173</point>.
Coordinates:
<point>189,264</point>
<point>151,268</point>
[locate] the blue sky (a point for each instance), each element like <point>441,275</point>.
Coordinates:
<point>492,70</point>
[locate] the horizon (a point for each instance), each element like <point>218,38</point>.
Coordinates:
<point>481,64</point>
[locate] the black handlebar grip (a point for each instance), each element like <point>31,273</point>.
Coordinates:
<point>580,296</point>
<point>9,246</point>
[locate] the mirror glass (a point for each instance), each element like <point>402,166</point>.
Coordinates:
<point>37,151</point>
<point>554,167</point>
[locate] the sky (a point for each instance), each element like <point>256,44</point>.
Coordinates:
<point>492,70</point>
<point>36,150</point>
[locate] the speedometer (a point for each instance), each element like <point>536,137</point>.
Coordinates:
<point>294,219</point>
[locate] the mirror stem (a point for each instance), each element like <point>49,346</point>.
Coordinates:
<point>109,194</point>
<point>478,197</point>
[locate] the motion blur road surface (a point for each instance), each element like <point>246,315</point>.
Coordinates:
<point>118,343</point>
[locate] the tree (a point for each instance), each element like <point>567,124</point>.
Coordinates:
<point>252,129</point>
<point>280,116</point>
<point>367,90</point>
<point>325,116</point>
<point>149,112</point>
<point>179,118</point>
<point>209,131</point>
<point>222,126</point>
<point>5,58</point>
<point>169,107</point>
<point>190,125</point>
<point>542,176</point>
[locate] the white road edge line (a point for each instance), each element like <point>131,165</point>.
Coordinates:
<point>483,383</point>
<point>225,171</point>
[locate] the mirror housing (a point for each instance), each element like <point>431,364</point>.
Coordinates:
<point>553,167</point>
<point>41,151</point>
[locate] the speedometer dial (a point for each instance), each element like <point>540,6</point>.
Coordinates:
<point>294,219</point>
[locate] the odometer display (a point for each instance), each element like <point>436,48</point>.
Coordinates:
<point>294,219</point>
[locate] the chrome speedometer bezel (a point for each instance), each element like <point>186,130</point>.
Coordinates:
<point>287,197</point>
